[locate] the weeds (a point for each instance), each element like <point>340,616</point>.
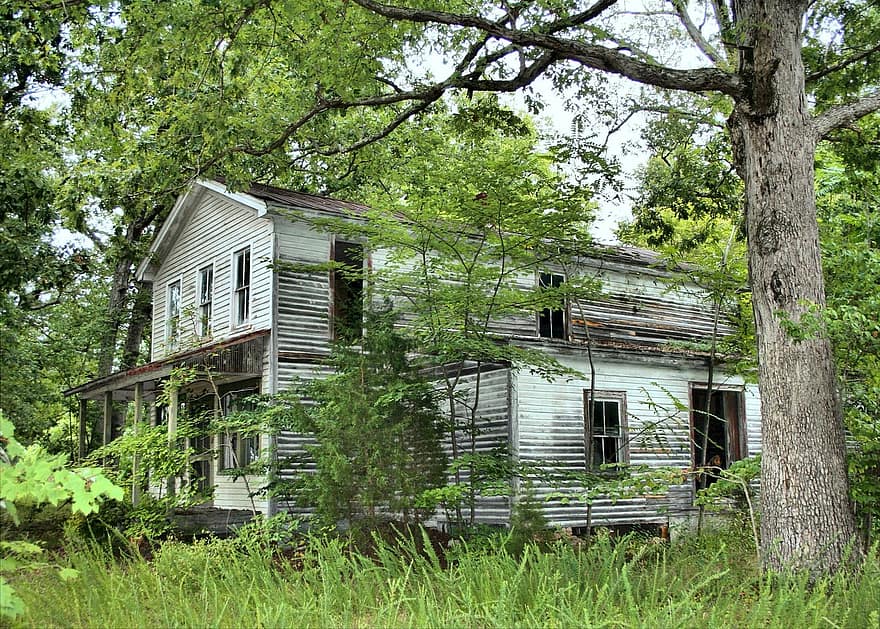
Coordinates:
<point>626,583</point>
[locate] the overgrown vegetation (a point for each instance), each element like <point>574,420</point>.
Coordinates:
<point>714,581</point>
<point>377,432</point>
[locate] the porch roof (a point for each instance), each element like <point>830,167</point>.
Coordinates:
<point>238,357</point>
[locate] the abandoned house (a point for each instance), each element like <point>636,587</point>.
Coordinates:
<point>217,302</point>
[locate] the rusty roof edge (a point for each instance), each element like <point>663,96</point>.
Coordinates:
<point>157,365</point>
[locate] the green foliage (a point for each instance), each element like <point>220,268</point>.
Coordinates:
<point>628,582</point>
<point>734,482</point>
<point>31,476</point>
<point>377,431</point>
<point>847,202</point>
<point>468,210</point>
<point>528,524</point>
<point>262,534</point>
<point>615,482</point>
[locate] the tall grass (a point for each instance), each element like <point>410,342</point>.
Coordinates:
<point>631,583</point>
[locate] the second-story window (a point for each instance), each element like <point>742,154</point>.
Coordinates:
<point>172,315</point>
<point>206,296</point>
<point>551,321</point>
<point>348,291</point>
<point>242,286</point>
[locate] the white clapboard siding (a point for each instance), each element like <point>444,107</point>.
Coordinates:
<point>549,429</point>
<point>233,492</point>
<point>302,324</point>
<point>493,425</point>
<point>216,228</point>
<point>637,306</point>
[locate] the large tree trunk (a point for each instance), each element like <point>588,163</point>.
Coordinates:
<point>138,320</point>
<point>807,520</point>
<point>117,309</point>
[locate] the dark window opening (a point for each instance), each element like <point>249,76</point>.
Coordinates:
<point>238,448</point>
<point>551,321</point>
<point>242,287</point>
<point>198,412</point>
<point>206,297</point>
<point>718,435</point>
<point>348,291</point>
<point>605,429</point>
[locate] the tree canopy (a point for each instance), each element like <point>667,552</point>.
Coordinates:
<point>281,91</point>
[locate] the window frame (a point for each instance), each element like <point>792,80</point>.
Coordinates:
<point>549,312</point>
<point>622,450</point>
<point>737,445</point>
<point>335,306</point>
<point>234,450</point>
<point>236,320</point>
<point>205,306</point>
<point>173,321</point>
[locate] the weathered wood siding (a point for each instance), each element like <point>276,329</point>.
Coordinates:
<point>637,304</point>
<point>291,446</point>
<point>493,431</point>
<point>302,324</point>
<point>216,228</point>
<point>549,427</point>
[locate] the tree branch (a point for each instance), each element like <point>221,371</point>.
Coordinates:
<point>589,55</point>
<point>842,115</point>
<point>694,33</point>
<point>840,65</point>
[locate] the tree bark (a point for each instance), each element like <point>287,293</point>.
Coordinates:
<point>116,309</point>
<point>139,319</point>
<point>807,520</point>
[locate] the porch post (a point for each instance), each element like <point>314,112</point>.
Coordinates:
<point>83,419</point>
<point>172,430</point>
<point>136,487</point>
<point>108,418</point>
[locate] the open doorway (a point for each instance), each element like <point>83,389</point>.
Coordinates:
<point>717,437</point>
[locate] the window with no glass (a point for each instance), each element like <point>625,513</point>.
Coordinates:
<point>606,428</point>
<point>242,286</point>
<point>717,429</point>
<point>348,291</point>
<point>551,320</point>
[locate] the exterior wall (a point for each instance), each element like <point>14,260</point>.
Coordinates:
<point>636,303</point>
<point>493,432</point>
<point>232,493</point>
<point>216,229</point>
<point>549,428</point>
<point>302,322</point>
<point>541,422</point>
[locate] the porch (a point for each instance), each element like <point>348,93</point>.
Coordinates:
<point>151,395</point>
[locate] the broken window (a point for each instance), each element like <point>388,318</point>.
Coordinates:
<point>718,435</point>
<point>605,428</point>
<point>348,291</point>
<point>206,295</point>
<point>242,286</point>
<point>198,410</point>
<point>551,321</point>
<point>172,315</point>
<point>238,448</point>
